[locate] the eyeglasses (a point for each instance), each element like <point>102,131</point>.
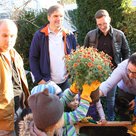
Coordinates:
<point>131,72</point>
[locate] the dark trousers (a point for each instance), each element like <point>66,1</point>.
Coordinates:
<point>64,85</point>
<point>17,117</point>
<point>122,105</point>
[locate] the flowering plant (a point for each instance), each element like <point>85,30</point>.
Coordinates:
<point>86,65</point>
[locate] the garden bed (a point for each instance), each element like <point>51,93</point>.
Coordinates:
<point>112,128</point>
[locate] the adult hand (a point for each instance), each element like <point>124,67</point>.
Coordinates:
<point>102,122</point>
<point>42,82</point>
<point>131,105</point>
<point>101,93</point>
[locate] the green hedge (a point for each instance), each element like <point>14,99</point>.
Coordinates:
<point>28,24</point>
<point>128,26</point>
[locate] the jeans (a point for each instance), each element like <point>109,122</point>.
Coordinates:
<point>110,98</point>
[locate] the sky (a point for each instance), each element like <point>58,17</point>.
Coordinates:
<point>33,3</point>
<point>134,2</point>
<point>44,3</point>
<point>48,3</point>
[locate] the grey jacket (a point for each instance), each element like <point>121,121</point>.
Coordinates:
<point>120,46</point>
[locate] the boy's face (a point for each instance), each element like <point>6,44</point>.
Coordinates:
<point>74,103</point>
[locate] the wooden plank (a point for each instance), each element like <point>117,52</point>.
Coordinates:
<point>109,123</point>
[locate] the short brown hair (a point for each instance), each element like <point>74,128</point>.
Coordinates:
<point>132,59</point>
<point>54,8</point>
<point>100,13</point>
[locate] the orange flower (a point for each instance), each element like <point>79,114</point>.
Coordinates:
<point>90,64</point>
<point>75,64</point>
<point>86,65</point>
<point>99,67</point>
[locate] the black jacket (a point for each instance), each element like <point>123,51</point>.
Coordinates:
<point>121,50</point>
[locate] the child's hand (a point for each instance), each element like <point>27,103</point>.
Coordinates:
<point>102,121</point>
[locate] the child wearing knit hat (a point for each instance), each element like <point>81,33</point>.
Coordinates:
<point>48,114</point>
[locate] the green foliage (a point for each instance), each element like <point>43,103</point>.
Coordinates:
<point>25,34</point>
<point>28,23</point>
<point>68,1</point>
<point>128,26</point>
<point>41,18</point>
<point>73,16</point>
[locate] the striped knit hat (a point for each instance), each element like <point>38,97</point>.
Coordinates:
<point>51,86</point>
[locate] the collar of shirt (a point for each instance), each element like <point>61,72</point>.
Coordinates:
<point>109,33</point>
<point>50,31</point>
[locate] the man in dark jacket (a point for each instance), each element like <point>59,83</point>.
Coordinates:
<point>49,46</point>
<point>111,41</point>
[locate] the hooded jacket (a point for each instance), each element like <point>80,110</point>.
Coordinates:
<point>27,127</point>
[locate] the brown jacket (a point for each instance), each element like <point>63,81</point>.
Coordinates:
<point>6,89</point>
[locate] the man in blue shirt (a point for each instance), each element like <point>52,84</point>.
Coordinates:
<point>124,76</point>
